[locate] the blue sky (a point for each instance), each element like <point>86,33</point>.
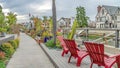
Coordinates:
<point>65,8</point>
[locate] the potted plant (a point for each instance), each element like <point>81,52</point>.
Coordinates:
<point>45,36</point>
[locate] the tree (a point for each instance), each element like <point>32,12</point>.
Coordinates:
<point>2,18</point>
<point>2,21</point>
<point>50,24</point>
<point>46,22</point>
<point>37,24</point>
<point>74,26</point>
<point>11,18</point>
<point>45,18</point>
<point>36,21</point>
<point>81,17</point>
<point>80,21</point>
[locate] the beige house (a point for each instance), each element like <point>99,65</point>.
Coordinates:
<point>108,17</point>
<point>64,23</point>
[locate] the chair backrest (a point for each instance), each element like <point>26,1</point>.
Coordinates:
<point>60,38</point>
<point>96,52</point>
<point>118,61</point>
<point>72,47</point>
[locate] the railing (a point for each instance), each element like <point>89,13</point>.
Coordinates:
<point>105,29</point>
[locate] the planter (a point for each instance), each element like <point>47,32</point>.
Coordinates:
<point>45,39</point>
<point>3,34</point>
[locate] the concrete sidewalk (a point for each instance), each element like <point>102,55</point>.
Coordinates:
<point>29,55</point>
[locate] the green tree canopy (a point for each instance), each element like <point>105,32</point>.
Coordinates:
<point>45,18</point>
<point>11,18</point>
<point>2,18</point>
<point>81,17</point>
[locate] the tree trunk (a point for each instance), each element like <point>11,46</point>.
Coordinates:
<point>54,20</point>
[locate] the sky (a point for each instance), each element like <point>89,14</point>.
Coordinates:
<point>64,8</point>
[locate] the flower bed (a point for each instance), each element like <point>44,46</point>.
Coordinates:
<point>6,51</point>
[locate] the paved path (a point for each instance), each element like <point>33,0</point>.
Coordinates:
<point>29,55</point>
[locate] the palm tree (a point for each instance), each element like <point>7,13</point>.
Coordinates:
<point>11,18</point>
<point>54,20</point>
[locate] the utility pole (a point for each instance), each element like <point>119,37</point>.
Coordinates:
<point>54,20</point>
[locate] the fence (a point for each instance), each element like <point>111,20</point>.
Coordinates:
<point>104,29</point>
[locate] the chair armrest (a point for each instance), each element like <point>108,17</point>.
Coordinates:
<point>114,56</point>
<point>106,55</point>
<point>81,49</point>
<point>78,49</point>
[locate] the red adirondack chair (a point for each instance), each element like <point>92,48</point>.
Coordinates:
<point>118,61</point>
<point>62,43</point>
<point>79,54</point>
<point>97,56</point>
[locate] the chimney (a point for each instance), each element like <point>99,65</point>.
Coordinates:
<point>99,8</point>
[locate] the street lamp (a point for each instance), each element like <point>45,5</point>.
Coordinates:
<point>54,20</point>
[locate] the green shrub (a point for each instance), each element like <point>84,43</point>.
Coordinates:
<point>58,44</point>
<point>7,48</point>
<point>14,44</point>
<point>17,41</point>
<point>50,43</point>
<point>2,64</point>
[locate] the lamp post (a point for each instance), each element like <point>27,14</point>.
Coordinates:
<point>54,20</point>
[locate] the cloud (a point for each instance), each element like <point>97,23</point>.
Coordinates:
<point>64,8</point>
<point>22,18</point>
<point>5,11</point>
<point>44,7</point>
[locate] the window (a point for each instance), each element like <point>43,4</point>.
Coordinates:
<point>69,22</point>
<point>112,17</point>
<point>100,19</point>
<point>107,17</point>
<point>118,18</point>
<point>115,17</point>
<point>103,19</point>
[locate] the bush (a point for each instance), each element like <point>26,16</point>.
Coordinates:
<point>2,64</point>
<point>50,43</point>
<point>14,44</point>
<point>58,44</point>
<point>7,48</point>
<point>17,41</point>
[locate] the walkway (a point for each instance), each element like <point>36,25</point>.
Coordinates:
<point>29,55</point>
<point>62,62</point>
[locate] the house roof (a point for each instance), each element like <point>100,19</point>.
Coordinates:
<point>65,19</point>
<point>111,9</point>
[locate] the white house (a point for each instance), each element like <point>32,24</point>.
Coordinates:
<point>108,17</point>
<point>65,23</point>
<point>28,25</point>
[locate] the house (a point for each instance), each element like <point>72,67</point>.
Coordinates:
<point>108,17</point>
<point>64,23</point>
<point>92,24</point>
<point>28,25</point>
